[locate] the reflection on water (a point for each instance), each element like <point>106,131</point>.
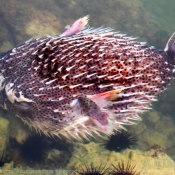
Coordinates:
<point>151,21</point>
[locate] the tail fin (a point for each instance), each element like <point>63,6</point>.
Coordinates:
<point>170,47</point>
<point>169,55</point>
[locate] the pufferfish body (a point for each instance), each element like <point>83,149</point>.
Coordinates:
<point>85,82</point>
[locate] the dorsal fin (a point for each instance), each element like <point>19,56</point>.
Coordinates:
<point>170,47</point>
<point>76,27</point>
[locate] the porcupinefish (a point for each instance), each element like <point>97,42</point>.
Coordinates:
<point>85,82</point>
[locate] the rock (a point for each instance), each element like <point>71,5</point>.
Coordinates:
<point>138,128</point>
<point>153,117</point>
<point>4,126</point>
<point>165,126</point>
<point>6,46</point>
<point>146,162</point>
<point>42,26</point>
<point>57,158</point>
<point>155,138</point>
<point>18,131</point>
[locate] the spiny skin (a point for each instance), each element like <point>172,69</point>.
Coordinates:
<point>54,84</point>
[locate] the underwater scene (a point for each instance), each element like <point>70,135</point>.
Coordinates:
<point>57,117</point>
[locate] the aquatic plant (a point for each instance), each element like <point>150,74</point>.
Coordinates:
<point>122,169</point>
<point>33,149</point>
<point>92,170</point>
<point>120,141</point>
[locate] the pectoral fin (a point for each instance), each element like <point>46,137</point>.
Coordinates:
<point>103,99</point>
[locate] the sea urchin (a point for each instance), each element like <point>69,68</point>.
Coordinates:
<point>5,159</point>
<point>92,170</point>
<point>33,149</point>
<point>121,169</point>
<point>120,141</point>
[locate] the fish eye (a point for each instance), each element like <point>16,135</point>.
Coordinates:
<point>58,119</point>
<point>23,105</point>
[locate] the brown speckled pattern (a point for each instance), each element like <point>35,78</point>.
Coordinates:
<point>53,71</point>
